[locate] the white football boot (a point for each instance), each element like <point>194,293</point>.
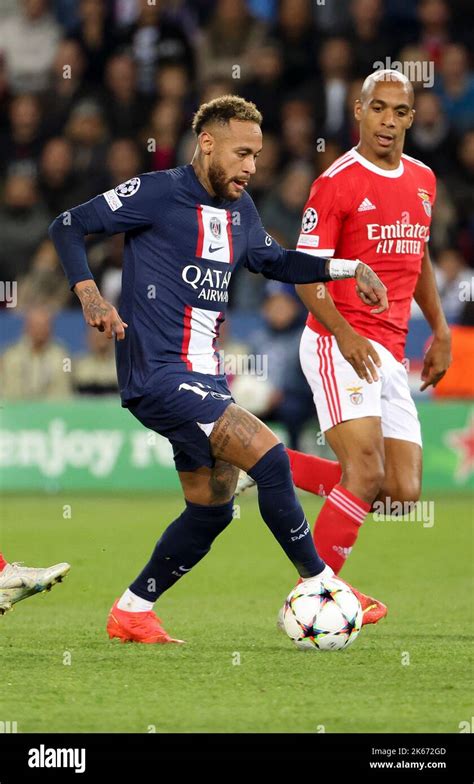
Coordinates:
<point>243,483</point>
<point>17,582</point>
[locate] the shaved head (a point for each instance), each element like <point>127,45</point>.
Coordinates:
<point>386,75</point>
<point>384,112</point>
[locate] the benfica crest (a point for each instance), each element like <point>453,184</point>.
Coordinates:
<point>425,200</point>
<point>356,397</point>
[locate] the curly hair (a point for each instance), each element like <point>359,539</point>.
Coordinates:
<point>223,109</point>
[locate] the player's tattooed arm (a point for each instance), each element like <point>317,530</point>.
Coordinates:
<point>98,312</point>
<point>370,288</point>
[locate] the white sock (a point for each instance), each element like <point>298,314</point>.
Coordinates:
<point>130,602</point>
<point>327,572</point>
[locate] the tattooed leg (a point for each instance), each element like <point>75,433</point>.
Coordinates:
<point>210,486</point>
<point>240,438</point>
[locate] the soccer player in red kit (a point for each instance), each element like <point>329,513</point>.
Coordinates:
<point>373,203</point>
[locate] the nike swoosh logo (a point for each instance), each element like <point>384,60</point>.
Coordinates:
<point>183,569</point>
<point>213,249</point>
<point>294,530</point>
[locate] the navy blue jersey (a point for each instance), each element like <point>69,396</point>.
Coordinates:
<point>181,248</point>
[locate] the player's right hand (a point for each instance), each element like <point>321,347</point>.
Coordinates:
<point>370,288</point>
<point>99,313</point>
<point>359,352</point>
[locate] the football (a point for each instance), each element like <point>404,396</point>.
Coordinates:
<point>322,615</point>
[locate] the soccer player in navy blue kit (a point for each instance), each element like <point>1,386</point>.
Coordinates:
<point>186,231</point>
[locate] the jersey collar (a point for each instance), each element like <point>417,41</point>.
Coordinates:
<point>391,173</point>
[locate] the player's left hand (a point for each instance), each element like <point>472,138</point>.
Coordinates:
<point>436,362</point>
<point>370,288</point>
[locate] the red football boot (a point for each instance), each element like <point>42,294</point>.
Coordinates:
<point>137,627</point>
<point>372,609</point>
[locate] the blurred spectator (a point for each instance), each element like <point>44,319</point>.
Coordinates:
<point>44,285</point>
<point>452,274</point>
<point>87,132</point>
<point>94,373</point>
<point>335,64</point>
<point>94,34</point>
<point>216,86</point>
<point>154,40</point>
<point>297,129</point>
<point>368,36</point>
<point>24,224</point>
<point>162,134</point>
<point>125,110</point>
<point>431,139</point>
<point>444,226</point>
<point>33,368</point>
<point>230,39</point>
<point>349,134</point>
<point>60,187</point>
<point>434,33</point>
<point>28,40</point>
<point>23,141</point>
<point>265,87</point>
<point>5,96</point>
<point>282,209</point>
<point>296,32</point>
<point>172,82</point>
<point>461,185</point>
<point>418,66</point>
<point>66,88</point>
<point>456,87</point>
<point>123,161</point>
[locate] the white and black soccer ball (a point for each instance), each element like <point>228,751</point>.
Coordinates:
<point>128,188</point>
<point>322,615</point>
<point>309,220</point>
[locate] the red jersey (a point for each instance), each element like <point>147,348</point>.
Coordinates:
<point>356,210</point>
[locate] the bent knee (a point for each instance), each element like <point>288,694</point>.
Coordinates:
<point>365,471</point>
<point>223,481</point>
<point>408,491</point>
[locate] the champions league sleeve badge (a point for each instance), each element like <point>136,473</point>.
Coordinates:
<point>128,188</point>
<point>309,220</point>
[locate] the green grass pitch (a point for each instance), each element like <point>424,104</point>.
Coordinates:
<point>408,674</point>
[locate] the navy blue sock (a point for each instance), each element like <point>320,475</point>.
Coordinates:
<point>182,545</point>
<point>283,513</point>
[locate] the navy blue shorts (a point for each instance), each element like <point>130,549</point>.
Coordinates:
<point>182,406</point>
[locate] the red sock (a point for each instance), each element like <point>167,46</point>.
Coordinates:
<point>3,563</point>
<point>314,474</point>
<point>337,526</point>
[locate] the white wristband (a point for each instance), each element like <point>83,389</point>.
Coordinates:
<point>342,268</point>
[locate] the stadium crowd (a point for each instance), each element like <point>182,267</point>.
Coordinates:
<point>92,92</point>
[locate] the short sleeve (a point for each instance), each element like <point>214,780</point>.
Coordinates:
<point>133,204</point>
<point>322,219</point>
